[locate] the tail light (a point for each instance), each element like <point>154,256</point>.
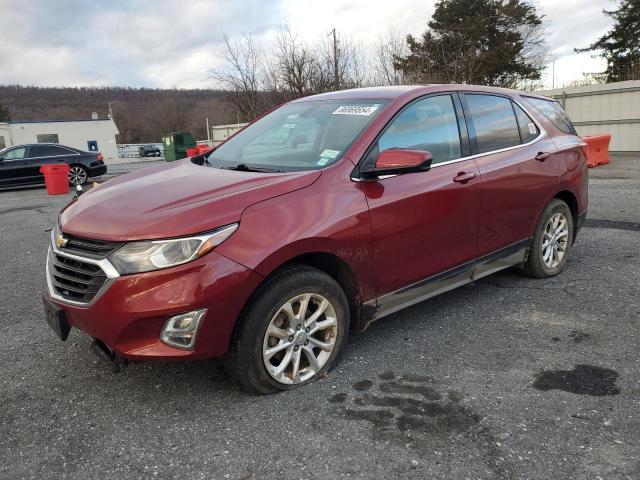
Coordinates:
<point>100,157</point>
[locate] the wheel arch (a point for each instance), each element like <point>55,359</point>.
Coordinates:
<point>328,262</point>
<point>570,199</point>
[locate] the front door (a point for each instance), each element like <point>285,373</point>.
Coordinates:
<point>424,223</point>
<point>14,168</point>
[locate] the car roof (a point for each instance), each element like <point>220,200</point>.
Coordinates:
<point>44,145</point>
<point>393,92</point>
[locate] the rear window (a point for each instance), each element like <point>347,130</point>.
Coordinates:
<point>554,113</point>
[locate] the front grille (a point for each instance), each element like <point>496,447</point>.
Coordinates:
<point>73,279</point>
<point>89,248</point>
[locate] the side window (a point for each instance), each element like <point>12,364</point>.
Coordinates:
<point>39,151</point>
<point>56,151</point>
<point>16,154</point>
<point>528,129</point>
<point>554,113</point>
<point>494,122</point>
<point>430,125</point>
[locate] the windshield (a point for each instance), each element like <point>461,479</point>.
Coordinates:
<point>297,136</point>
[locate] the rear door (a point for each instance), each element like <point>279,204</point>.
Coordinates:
<point>518,169</point>
<point>14,168</point>
<point>427,222</point>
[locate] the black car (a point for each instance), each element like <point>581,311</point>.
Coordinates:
<point>20,165</point>
<point>149,151</point>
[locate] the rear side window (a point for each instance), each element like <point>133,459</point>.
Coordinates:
<point>494,122</point>
<point>430,125</point>
<point>554,113</point>
<point>528,129</point>
<point>39,151</point>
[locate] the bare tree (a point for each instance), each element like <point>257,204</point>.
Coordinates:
<point>387,50</point>
<point>349,58</point>
<point>296,66</point>
<point>243,75</point>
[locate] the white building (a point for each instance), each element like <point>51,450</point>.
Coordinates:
<point>610,108</point>
<point>219,133</point>
<point>88,135</point>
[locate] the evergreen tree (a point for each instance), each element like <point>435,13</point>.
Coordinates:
<point>621,45</point>
<point>489,42</point>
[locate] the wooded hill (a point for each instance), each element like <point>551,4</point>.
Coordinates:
<point>141,114</point>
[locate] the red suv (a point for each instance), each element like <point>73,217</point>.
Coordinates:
<point>323,215</point>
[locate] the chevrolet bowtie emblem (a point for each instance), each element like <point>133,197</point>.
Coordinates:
<point>60,241</point>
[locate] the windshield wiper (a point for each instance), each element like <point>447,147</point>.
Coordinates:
<point>243,167</point>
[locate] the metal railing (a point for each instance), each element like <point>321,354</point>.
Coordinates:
<point>132,150</point>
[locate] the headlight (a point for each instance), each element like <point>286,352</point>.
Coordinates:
<point>148,255</point>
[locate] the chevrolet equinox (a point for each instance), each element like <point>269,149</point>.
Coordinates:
<point>322,216</point>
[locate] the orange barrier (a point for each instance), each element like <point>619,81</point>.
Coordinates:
<point>192,152</point>
<point>598,149</point>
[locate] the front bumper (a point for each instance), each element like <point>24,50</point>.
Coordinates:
<point>128,315</point>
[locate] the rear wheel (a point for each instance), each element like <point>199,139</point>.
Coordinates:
<point>291,333</point>
<point>552,242</point>
<point>78,175</point>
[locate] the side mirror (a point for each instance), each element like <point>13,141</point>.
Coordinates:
<point>394,161</point>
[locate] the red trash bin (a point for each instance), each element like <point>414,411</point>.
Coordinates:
<point>56,178</point>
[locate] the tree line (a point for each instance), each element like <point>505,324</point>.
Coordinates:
<point>142,115</point>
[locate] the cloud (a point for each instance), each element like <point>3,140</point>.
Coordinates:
<point>166,43</point>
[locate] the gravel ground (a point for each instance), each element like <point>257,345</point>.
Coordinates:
<point>506,378</point>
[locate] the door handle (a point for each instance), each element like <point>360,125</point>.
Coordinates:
<point>464,177</point>
<point>542,156</point>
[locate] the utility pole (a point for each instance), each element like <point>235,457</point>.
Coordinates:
<point>336,75</point>
<point>208,131</point>
<point>553,75</point>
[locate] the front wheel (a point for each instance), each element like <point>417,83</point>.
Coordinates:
<point>549,250</point>
<point>78,175</point>
<point>291,332</point>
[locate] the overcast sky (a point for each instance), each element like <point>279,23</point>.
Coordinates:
<point>166,43</point>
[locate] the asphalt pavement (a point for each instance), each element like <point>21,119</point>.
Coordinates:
<point>506,378</point>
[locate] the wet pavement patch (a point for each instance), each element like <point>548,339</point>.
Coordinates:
<point>362,385</point>
<point>407,403</point>
<point>579,337</point>
<point>582,380</point>
<point>338,398</point>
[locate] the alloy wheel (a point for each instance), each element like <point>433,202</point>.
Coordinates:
<point>300,338</point>
<point>555,240</point>
<point>77,175</point>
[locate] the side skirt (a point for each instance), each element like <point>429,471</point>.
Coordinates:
<point>443,282</point>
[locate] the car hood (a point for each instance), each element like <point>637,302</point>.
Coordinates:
<point>173,200</point>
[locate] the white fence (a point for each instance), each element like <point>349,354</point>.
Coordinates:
<point>610,108</point>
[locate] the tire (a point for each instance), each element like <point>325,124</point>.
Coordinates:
<point>78,175</point>
<point>546,260</point>
<point>251,363</point>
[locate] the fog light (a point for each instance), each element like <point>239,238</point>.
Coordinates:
<point>180,331</point>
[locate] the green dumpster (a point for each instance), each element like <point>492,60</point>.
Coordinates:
<point>176,144</point>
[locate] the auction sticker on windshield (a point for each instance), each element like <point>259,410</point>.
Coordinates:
<point>356,109</point>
